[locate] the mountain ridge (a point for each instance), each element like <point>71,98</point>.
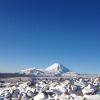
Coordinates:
<point>55,69</point>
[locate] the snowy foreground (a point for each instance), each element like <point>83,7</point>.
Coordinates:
<point>48,89</point>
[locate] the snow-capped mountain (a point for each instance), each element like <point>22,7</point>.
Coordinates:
<point>57,69</point>
<point>53,70</point>
<point>32,71</point>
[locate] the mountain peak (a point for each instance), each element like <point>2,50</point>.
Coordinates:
<point>53,70</point>
<point>57,68</point>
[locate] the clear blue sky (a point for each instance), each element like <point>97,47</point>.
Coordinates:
<point>41,32</point>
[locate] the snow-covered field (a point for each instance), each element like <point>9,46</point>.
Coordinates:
<point>50,89</point>
<point>55,82</point>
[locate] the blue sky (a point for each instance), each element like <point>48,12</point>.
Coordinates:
<point>41,32</point>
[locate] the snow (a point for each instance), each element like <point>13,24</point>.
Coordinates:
<point>48,89</point>
<point>57,68</point>
<point>68,87</point>
<point>70,74</point>
<point>31,71</point>
<point>53,70</point>
<point>92,97</point>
